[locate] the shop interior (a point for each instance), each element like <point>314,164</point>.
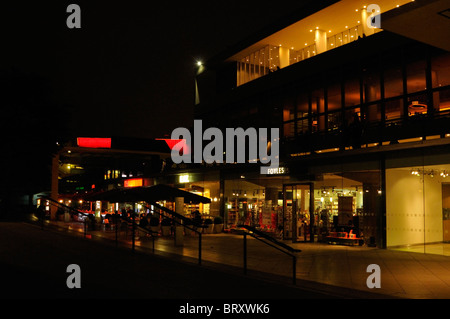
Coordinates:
<point>277,205</point>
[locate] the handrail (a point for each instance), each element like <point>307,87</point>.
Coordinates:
<point>273,243</point>
<point>61,205</point>
<point>175,215</point>
<point>259,233</point>
<point>76,211</point>
<point>134,225</point>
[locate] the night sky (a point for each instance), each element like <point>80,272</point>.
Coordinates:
<point>129,70</point>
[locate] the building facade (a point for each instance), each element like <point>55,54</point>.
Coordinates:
<point>363,112</point>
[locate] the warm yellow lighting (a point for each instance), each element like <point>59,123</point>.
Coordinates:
<point>310,30</point>
<point>184,178</point>
<point>346,26</point>
<point>199,63</point>
<point>356,10</point>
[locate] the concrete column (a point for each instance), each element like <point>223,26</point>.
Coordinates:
<point>284,57</point>
<point>54,186</point>
<point>320,37</point>
<point>179,208</point>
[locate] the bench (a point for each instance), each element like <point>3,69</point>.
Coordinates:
<point>344,238</point>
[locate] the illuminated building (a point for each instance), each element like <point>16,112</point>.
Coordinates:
<point>364,119</point>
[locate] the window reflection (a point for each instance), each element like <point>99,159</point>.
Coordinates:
<point>415,76</point>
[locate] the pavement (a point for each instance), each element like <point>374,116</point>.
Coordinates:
<point>36,259</point>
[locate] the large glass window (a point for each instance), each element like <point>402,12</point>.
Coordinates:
<point>415,76</point>
<point>371,85</point>
<point>257,64</point>
<point>302,113</point>
<point>394,109</point>
<point>318,109</point>
<point>393,82</point>
<point>352,92</point>
<point>441,99</point>
<point>440,70</point>
<point>289,117</point>
<point>418,208</point>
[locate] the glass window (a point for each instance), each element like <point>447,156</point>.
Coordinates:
<point>302,126</point>
<point>415,76</point>
<point>417,207</point>
<point>302,105</point>
<point>352,92</point>
<point>350,115</point>
<point>318,107</point>
<point>373,112</point>
<point>334,97</point>
<point>289,117</point>
<point>394,109</point>
<point>441,99</point>
<point>417,104</point>
<point>393,82</point>
<point>334,120</point>
<point>440,70</point>
<point>371,84</point>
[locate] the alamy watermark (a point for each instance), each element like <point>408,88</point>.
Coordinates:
<point>235,146</point>
<point>374,20</point>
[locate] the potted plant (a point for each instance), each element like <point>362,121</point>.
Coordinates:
<point>154,225</point>
<point>166,225</point>
<point>208,225</point>
<point>218,224</point>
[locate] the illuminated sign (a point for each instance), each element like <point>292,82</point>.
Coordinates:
<point>134,182</point>
<point>176,144</point>
<point>94,142</point>
<point>277,170</point>
<point>184,178</point>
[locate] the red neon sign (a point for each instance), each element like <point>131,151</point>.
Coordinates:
<point>94,142</point>
<point>176,145</point>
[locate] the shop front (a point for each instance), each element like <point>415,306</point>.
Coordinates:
<point>418,203</point>
<point>306,210</point>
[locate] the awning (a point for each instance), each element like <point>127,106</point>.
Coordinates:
<point>152,193</point>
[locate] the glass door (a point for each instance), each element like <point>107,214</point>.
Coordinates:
<point>298,212</point>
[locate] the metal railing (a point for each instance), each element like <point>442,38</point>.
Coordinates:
<point>174,217</point>
<point>178,219</point>
<point>268,240</point>
<point>130,221</point>
<point>72,211</point>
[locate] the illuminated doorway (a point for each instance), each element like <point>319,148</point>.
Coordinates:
<point>298,212</point>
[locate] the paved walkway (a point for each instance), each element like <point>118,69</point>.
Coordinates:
<point>334,268</point>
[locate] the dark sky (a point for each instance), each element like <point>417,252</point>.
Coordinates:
<point>129,70</point>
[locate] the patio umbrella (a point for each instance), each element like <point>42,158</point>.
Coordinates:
<point>152,193</point>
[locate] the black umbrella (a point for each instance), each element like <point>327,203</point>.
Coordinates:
<point>152,193</point>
